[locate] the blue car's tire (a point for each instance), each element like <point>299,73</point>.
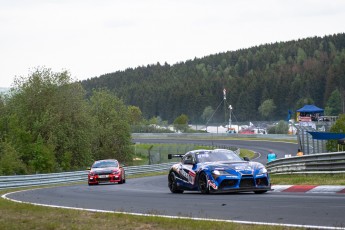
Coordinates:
<point>172,183</point>
<point>203,183</point>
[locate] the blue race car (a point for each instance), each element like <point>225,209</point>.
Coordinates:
<point>218,170</point>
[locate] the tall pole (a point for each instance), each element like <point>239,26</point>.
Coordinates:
<point>343,101</point>
<point>230,108</point>
<point>224,94</point>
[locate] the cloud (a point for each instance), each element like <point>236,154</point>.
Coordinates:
<point>90,39</point>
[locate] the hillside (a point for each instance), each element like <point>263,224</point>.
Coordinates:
<point>290,73</point>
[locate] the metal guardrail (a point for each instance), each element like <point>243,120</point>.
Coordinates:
<point>314,163</point>
<point>210,136</point>
<point>67,177</point>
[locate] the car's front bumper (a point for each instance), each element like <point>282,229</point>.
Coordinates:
<point>97,179</point>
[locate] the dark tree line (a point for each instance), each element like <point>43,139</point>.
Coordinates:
<point>288,73</point>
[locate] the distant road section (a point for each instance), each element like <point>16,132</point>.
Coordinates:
<point>261,147</point>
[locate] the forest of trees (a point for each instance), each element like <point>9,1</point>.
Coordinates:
<point>47,124</point>
<point>263,82</point>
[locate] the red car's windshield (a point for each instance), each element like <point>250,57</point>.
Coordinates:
<point>217,155</point>
<point>105,164</point>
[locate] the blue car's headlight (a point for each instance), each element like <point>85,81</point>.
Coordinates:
<point>219,172</point>
<point>216,172</point>
<point>262,171</point>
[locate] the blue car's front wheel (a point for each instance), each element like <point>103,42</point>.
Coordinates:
<point>203,183</point>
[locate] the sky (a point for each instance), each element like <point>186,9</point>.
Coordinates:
<point>90,38</point>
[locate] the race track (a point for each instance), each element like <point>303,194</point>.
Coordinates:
<point>150,195</point>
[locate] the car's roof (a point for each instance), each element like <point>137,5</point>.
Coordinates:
<point>106,160</point>
<point>200,150</point>
<point>210,150</point>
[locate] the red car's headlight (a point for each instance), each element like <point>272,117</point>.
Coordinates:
<point>116,172</point>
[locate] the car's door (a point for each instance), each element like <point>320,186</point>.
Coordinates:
<point>187,173</point>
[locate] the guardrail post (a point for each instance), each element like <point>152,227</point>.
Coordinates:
<point>149,153</point>
<point>308,149</point>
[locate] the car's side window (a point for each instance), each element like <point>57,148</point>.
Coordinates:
<point>185,158</point>
<point>188,159</point>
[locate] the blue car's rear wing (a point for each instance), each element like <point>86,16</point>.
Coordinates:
<point>171,156</point>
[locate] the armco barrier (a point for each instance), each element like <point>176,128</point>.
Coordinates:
<point>314,163</point>
<point>67,177</point>
<point>210,136</point>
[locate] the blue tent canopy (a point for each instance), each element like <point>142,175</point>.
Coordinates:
<point>310,109</point>
<point>327,136</point>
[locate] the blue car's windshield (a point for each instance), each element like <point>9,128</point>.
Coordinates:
<point>105,164</point>
<point>217,155</point>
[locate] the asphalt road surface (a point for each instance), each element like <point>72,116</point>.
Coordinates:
<point>150,195</point>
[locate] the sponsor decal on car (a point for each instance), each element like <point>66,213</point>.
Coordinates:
<point>212,184</point>
<point>190,176</point>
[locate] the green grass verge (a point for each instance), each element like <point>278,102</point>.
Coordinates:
<point>247,153</point>
<point>308,179</point>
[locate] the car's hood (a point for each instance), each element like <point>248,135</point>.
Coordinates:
<point>103,170</point>
<point>240,166</point>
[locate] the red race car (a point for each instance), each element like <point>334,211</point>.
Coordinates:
<point>106,171</point>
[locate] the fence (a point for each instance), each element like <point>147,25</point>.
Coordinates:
<point>159,153</point>
<point>154,153</point>
<point>309,164</point>
<point>67,177</point>
<point>210,136</point>
<point>316,163</point>
<point>306,142</point>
